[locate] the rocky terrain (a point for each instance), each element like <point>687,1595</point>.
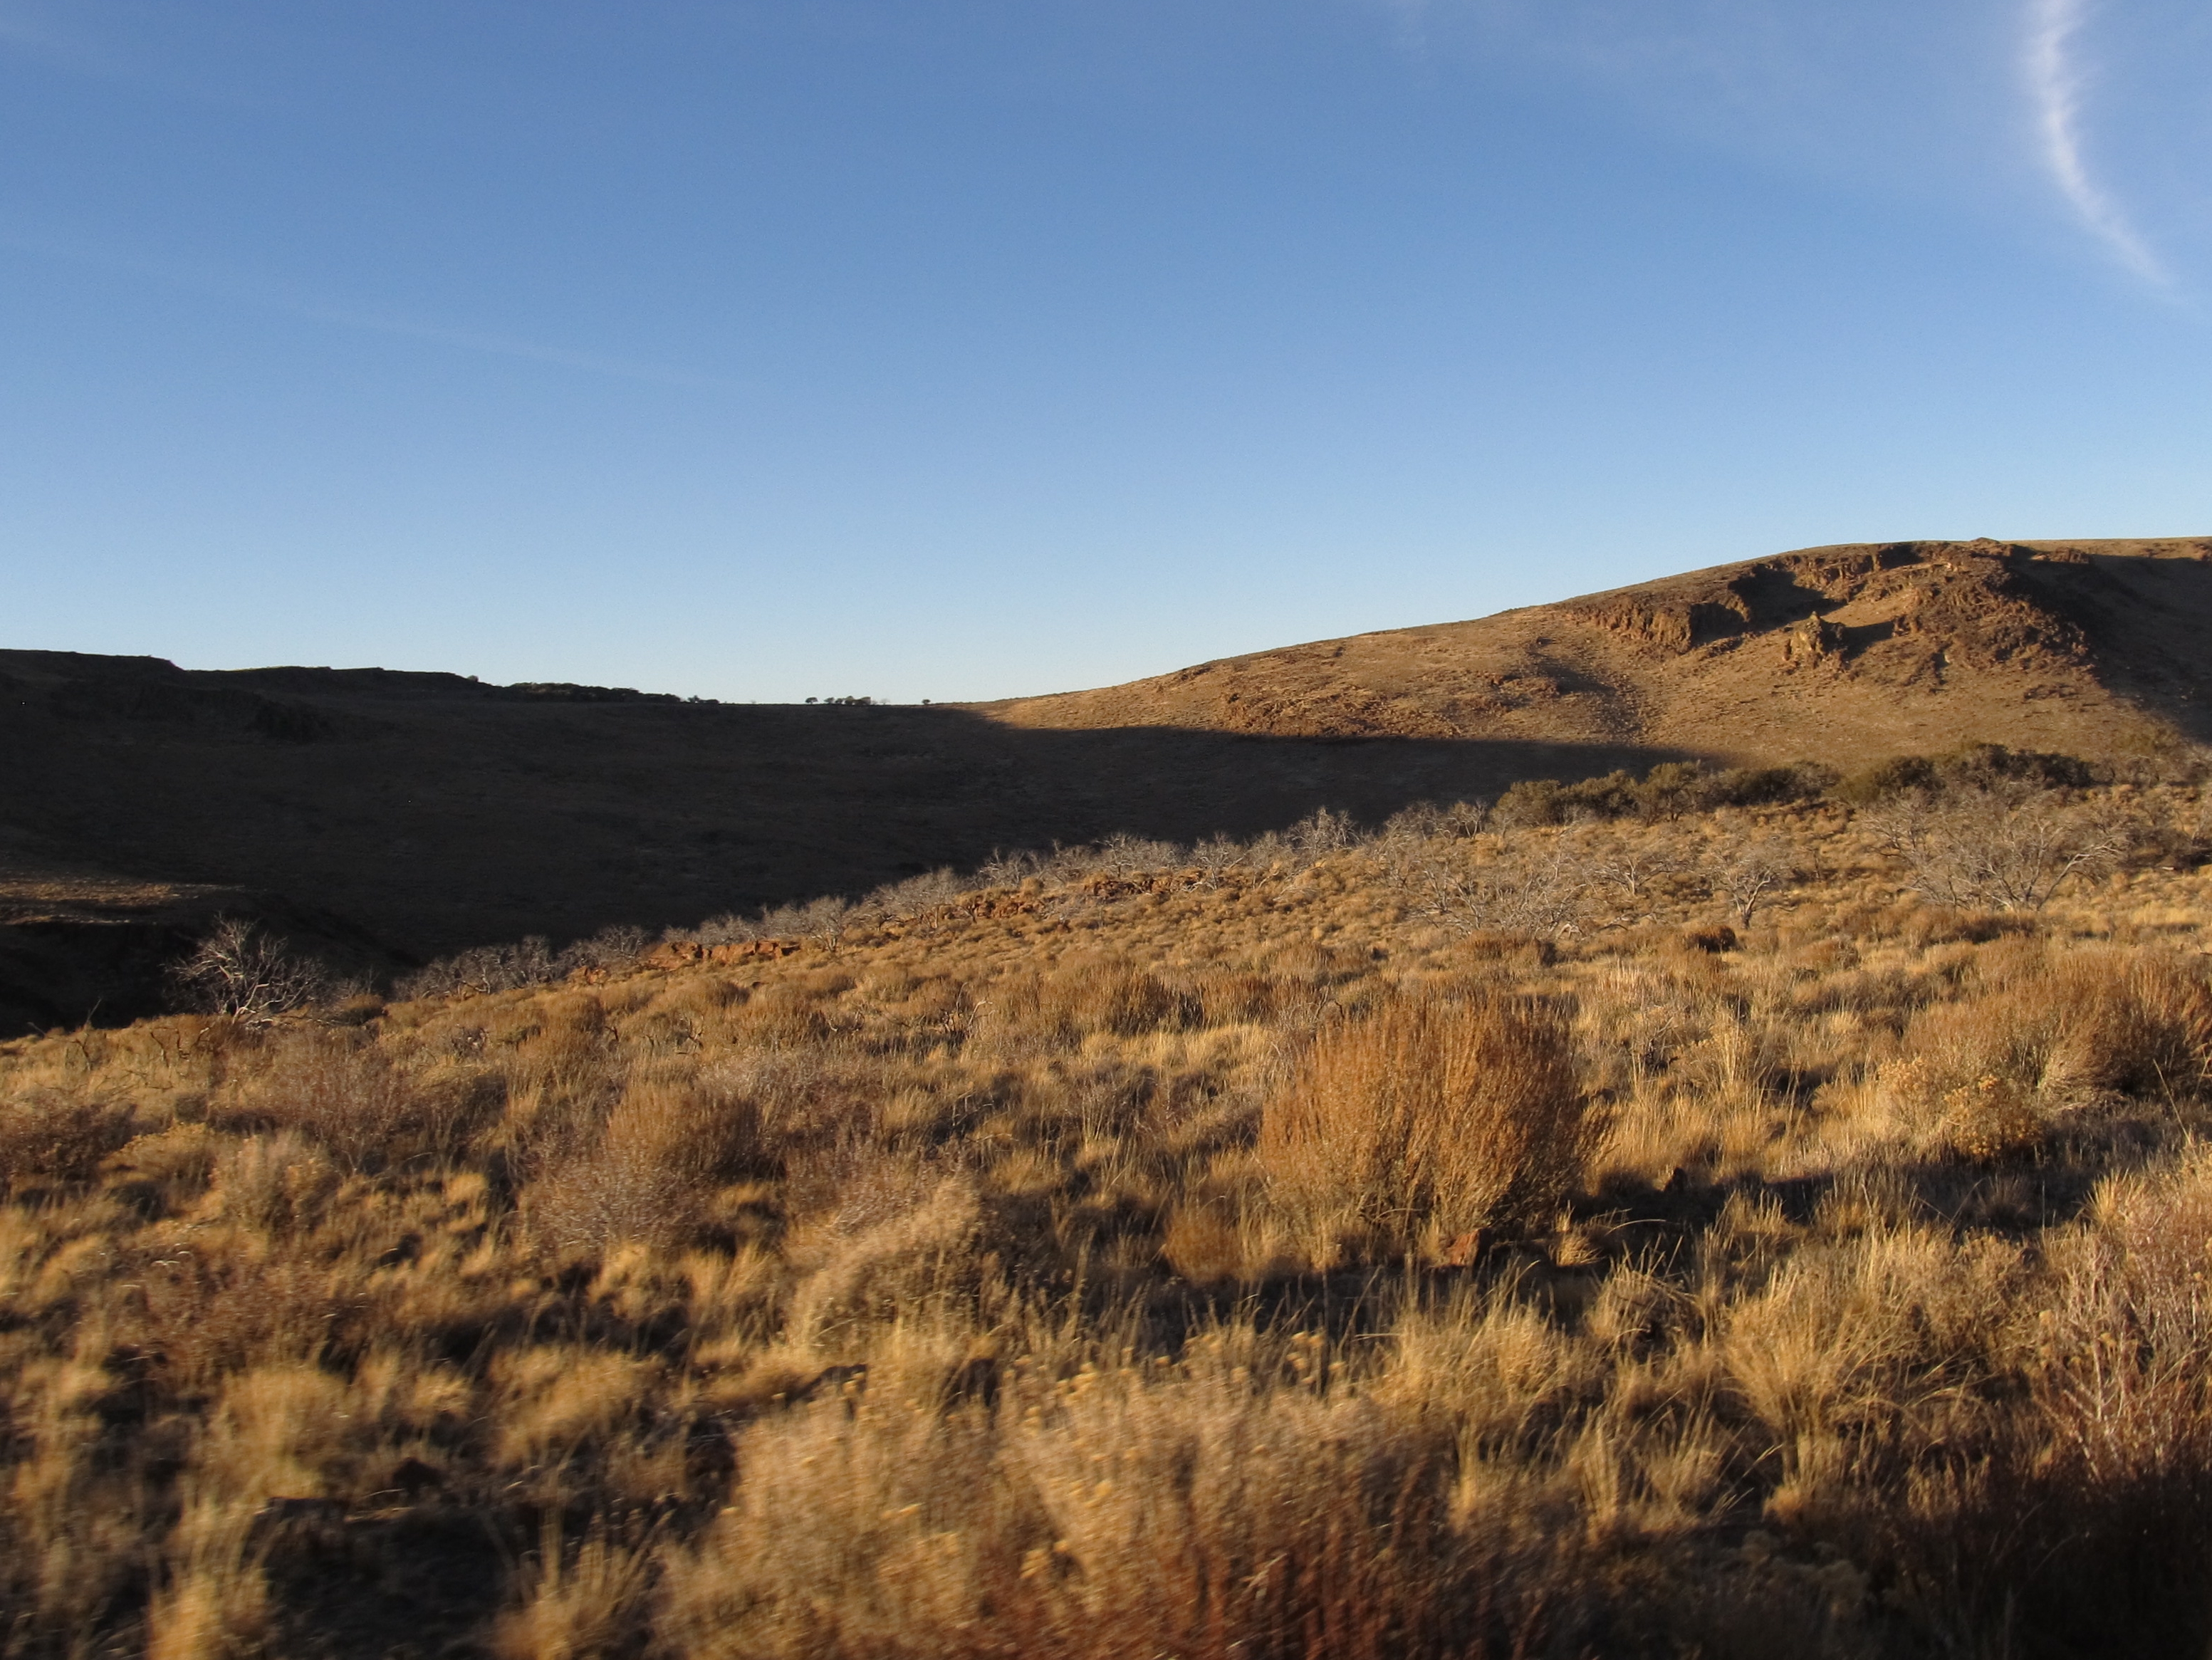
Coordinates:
<point>1844,654</point>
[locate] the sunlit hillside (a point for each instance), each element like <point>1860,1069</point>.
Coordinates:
<point>1703,1214</point>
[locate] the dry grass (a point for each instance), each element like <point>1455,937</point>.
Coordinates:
<point>1428,1120</point>
<point>1237,1259</point>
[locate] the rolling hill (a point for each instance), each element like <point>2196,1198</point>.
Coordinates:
<point>392,817</point>
<point>1845,654</point>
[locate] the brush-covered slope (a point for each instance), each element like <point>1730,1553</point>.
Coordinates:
<point>384,817</point>
<point>1135,1262</point>
<point>1845,654</point>
<point>439,813</point>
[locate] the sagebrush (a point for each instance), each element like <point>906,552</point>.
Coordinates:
<point>1240,1252</point>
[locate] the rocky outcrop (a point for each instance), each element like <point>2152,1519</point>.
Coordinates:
<point>1842,651</point>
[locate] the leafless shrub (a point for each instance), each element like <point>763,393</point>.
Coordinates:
<point>730,929</point>
<point>527,962</point>
<point>1322,832</point>
<point>612,947</point>
<point>1636,866</point>
<point>916,895</point>
<point>1750,873</point>
<point>1124,854</point>
<point>242,971</point>
<point>1269,849</point>
<point>820,920</point>
<point>1426,821</point>
<point>1008,870</point>
<point>1522,888</point>
<point>2009,846</point>
<point>1217,855</point>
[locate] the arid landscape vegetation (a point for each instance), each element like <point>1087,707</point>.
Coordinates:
<point>1747,1201</point>
<point>908,830</point>
<point>1702,1213</point>
<point>392,818</point>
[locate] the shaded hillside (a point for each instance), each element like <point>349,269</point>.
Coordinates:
<point>1844,655</point>
<point>434,812</point>
<point>392,817</point>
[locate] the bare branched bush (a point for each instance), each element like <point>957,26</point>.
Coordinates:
<point>2010,847</point>
<point>1216,856</point>
<point>1125,855</point>
<point>1635,867</point>
<point>730,929</point>
<point>533,962</point>
<point>528,962</point>
<point>242,971</point>
<point>1751,873</point>
<point>1008,869</point>
<point>1426,821</point>
<point>915,895</point>
<point>1322,832</point>
<point>612,947</point>
<point>820,920</point>
<point>1532,888</point>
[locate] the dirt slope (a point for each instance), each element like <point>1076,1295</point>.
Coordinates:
<point>1845,654</point>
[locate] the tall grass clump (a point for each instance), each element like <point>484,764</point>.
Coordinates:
<point>1431,1118</point>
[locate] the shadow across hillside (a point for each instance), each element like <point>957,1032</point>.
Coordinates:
<point>434,813</point>
<point>2144,621</point>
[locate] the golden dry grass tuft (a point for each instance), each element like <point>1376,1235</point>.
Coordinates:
<point>1428,1119</point>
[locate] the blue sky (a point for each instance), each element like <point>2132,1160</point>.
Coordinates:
<point>931,350</point>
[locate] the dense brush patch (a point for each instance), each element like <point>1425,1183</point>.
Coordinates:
<point>1671,1233</point>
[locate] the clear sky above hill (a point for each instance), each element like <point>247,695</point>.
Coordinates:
<point>916,348</point>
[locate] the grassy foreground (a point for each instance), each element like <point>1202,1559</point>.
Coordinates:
<point>1740,1231</point>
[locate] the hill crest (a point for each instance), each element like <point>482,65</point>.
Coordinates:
<point>1846,654</point>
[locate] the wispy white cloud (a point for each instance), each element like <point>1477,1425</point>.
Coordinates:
<point>1869,91</point>
<point>2054,83</point>
<point>268,297</point>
